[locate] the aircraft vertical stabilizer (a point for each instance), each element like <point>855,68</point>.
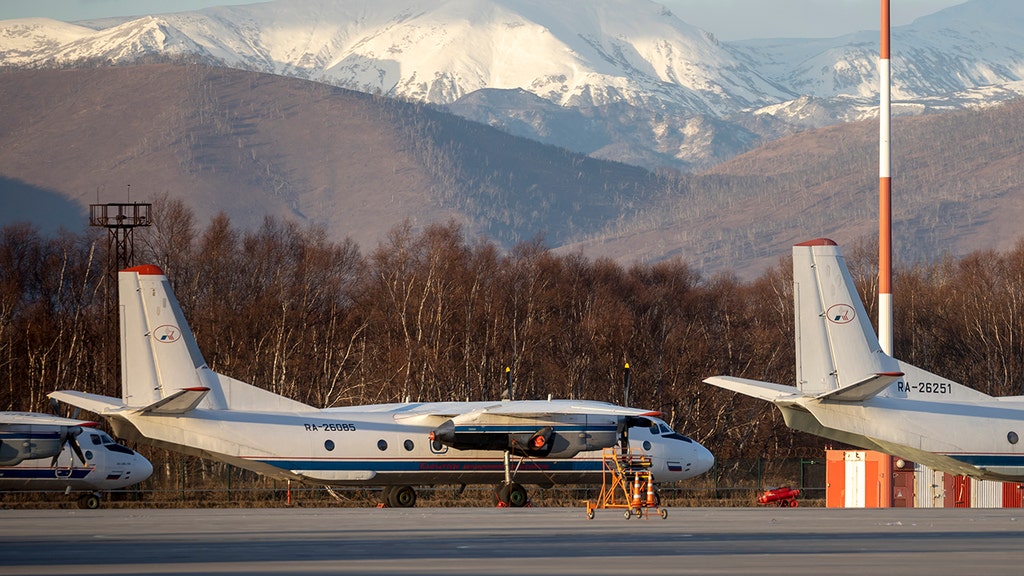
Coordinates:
<point>162,368</point>
<point>159,354</point>
<point>831,318</point>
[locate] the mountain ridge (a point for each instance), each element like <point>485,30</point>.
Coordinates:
<point>253,145</point>
<point>688,97</point>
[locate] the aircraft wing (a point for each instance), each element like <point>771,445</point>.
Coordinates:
<point>522,409</point>
<point>538,408</point>
<point>534,428</point>
<point>774,393</point>
<point>37,419</point>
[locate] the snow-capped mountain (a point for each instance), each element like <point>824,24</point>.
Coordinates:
<point>571,53</point>
<point>618,79</point>
<point>978,43</point>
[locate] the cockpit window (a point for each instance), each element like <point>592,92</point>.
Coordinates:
<point>95,439</point>
<point>118,448</point>
<point>106,439</point>
<point>659,427</point>
<point>662,429</point>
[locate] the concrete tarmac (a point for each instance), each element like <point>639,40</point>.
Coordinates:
<point>534,541</point>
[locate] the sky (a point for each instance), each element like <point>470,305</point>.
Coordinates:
<point>726,19</point>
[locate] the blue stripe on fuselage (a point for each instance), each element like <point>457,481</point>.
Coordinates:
<point>35,435</point>
<point>436,464</point>
<point>14,473</point>
<point>529,429</point>
<point>990,460</point>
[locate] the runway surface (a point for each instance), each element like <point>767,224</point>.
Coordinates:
<point>771,541</point>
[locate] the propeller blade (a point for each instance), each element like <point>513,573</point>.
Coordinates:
<point>76,448</point>
<point>67,437</point>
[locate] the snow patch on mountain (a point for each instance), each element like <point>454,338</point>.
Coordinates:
<point>620,79</point>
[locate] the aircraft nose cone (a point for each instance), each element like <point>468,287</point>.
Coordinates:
<point>703,461</point>
<point>143,468</point>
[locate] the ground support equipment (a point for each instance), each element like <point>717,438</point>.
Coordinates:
<point>627,484</point>
<point>783,497</point>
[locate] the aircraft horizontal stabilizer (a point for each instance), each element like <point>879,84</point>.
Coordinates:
<point>94,403</point>
<point>774,393</point>
<point>860,391</point>
<point>36,419</point>
<point>178,403</point>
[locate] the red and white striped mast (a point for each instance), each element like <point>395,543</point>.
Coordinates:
<point>884,192</point>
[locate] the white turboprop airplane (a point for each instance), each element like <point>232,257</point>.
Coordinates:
<point>43,452</point>
<point>171,399</point>
<point>850,391</point>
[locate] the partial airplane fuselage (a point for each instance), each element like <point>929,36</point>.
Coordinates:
<point>107,466</point>
<point>850,391</point>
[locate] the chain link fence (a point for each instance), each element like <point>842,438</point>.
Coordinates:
<point>729,483</point>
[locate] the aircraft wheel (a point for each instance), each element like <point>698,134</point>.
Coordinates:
<point>402,497</point>
<point>516,495</point>
<point>90,502</point>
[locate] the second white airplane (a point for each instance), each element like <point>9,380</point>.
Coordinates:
<point>171,399</point>
<point>850,391</point>
<point>40,452</point>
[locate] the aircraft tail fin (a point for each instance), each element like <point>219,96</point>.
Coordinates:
<point>159,354</point>
<point>838,356</point>
<point>162,368</point>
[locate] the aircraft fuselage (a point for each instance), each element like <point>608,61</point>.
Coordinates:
<point>377,445</point>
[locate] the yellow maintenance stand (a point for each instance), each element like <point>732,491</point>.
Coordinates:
<point>626,484</point>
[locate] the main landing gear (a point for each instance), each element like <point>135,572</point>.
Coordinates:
<point>509,493</point>
<point>89,501</point>
<point>399,496</point>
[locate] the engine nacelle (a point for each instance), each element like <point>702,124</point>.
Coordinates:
<point>29,442</point>
<point>543,442</point>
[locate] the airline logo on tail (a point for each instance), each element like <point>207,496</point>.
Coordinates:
<point>167,334</point>
<point>841,314</point>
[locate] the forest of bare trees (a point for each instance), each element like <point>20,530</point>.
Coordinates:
<point>431,315</point>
